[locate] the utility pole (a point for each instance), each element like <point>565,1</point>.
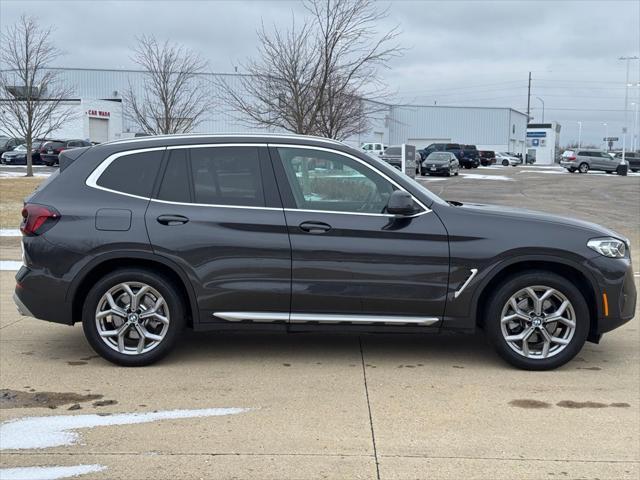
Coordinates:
<point>529,98</point>
<point>626,104</point>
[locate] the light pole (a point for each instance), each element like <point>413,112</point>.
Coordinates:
<point>606,136</point>
<point>626,104</point>
<point>542,101</point>
<point>579,135</point>
<point>634,135</point>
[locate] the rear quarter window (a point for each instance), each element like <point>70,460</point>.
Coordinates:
<point>133,174</point>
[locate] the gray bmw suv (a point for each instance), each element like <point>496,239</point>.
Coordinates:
<point>138,239</point>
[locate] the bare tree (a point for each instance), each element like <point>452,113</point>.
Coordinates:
<point>32,99</point>
<point>313,79</point>
<point>175,97</point>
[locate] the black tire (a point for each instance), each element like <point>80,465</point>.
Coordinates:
<point>511,285</point>
<point>571,170</point>
<point>505,163</point>
<point>174,302</point>
<point>423,172</point>
<point>634,170</point>
<point>609,171</point>
<point>448,174</point>
<point>583,167</point>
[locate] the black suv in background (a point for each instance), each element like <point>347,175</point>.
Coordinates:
<point>471,156</point>
<point>632,157</point>
<point>50,150</point>
<point>454,148</point>
<point>139,238</point>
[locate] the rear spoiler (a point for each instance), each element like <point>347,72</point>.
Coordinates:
<point>67,157</point>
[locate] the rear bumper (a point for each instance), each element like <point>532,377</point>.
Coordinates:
<point>40,296</point>
<point>569,165</point>
<point>439,169</point>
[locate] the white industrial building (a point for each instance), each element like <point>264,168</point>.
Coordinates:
<point>99,116</point>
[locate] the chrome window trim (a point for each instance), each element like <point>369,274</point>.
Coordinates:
<point>329,318</point>
<point>362,162</point>
<point>93,178</point>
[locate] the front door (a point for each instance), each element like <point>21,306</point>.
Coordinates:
<point>217,215</point>
<point>351,261</point>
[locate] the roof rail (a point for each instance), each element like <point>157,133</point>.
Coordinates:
<point>220,135</point>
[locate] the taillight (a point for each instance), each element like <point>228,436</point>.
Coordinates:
<point>572,158</point>
<point>37,219</point>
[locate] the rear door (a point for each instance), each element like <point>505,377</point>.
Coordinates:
<point>218,216</point>
<point>352,262</point>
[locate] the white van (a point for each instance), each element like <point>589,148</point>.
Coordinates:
<point>374,148</point>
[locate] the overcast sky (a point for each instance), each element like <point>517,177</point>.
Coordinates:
<point>458,52</point>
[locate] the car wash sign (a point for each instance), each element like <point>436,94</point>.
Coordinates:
<point>98,113</point>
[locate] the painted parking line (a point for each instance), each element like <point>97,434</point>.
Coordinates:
<point>477,176</point>
<point>48,473</point>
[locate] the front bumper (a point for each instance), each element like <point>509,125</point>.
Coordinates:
<point>430,168</point>
<point>615,281</point>
<point>22,309</point>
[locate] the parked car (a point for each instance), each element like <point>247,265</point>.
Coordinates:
<point>393,156</point>
<point>18,156</point>
<point>440,163</point>
<point>633,158</point>
<point>471,156</point>
<point>487,157</point>
<point>454,148</point>
<point>136,239</point>
<point>374,148</point>
<point>50,150</point>
<point>504,159</point>
<point>584,160</point>
<point>7,144</point>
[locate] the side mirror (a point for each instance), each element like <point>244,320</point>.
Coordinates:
<point>400,203</point>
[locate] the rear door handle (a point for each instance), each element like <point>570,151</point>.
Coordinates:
<point>314,227</point>
<point>171,220</point>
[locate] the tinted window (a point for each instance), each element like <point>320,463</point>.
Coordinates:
<point>175,183</point>
<point>53,145</point>
<point>393,151</point>
<point>227,176</point>
<point>133,174</point>
<point>328,181</point>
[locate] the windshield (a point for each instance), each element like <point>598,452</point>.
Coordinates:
<point>21,148</point>
<point>439,156</point>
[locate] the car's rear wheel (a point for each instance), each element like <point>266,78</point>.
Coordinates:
<point>571,170</point>
<point>133,317</point>
<point>537,320</point>
<point>583,167</point>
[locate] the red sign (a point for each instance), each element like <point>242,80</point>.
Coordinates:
<point>98,113</point>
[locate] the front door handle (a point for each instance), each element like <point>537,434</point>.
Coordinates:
<point>171,220</point>
<point>314,227</point>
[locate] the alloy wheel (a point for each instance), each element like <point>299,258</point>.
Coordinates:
<point>538,322</point>
<point>583,168</point>
<point>132,318</point>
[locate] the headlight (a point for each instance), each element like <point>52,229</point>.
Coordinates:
<point>608,246</point>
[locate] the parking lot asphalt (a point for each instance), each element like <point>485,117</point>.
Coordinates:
<point>335,406</point>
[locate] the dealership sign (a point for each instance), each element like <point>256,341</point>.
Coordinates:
<point>98,113</point>
<point>536,134</point>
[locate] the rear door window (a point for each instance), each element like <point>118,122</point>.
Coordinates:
<point>227,176</point>
<point>133,174</point>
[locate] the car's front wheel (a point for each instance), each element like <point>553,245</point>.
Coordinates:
<point>537,320</point>
<point>133,317</point>
<point>505,163</point>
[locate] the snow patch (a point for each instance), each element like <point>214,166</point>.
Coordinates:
<point>477,176</point>
<point>10,265</point>
<point>48,473</point>
<point>10,232</point>
<point>54,431</point>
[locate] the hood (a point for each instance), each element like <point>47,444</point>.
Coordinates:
<point>432,161</point>
<point>524,214</point>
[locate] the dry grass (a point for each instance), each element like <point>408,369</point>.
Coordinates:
<point>12,192</point>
